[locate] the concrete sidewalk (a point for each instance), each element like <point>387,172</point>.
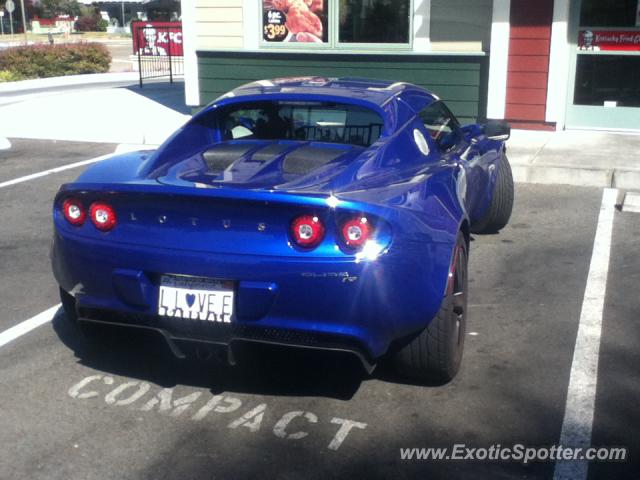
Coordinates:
<point>99,108</point>
<point>576,157</point>
<point>103,110</point>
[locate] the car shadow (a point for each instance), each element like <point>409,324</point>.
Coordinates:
<point>261,369</point>
<point>171,95</point>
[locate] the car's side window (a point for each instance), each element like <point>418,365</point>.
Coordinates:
<point>441,124</point>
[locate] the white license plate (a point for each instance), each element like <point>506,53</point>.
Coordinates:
<point>195,298</point>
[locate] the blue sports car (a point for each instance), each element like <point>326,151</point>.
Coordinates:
<point>317,213</point>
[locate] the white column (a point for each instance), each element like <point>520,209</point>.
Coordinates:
<point>499,59</point>
<point>189,38</point>
<point>559,64</point>
<point>422,26</point>
<point>251,13</point>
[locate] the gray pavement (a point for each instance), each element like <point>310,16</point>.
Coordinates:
<point>75,409</point>
<point>620,386</point>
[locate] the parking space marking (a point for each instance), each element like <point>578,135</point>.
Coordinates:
<point>580,405</point>
<point>28,325</point>
<point>137,395</point>
<point>44,173</point>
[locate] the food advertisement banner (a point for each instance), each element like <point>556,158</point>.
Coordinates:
<point>287,21</point>
<point>602,40</point>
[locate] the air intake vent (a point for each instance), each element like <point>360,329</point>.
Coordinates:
<point>221,156</point>
<point>306,159</point>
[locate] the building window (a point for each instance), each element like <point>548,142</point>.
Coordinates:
<point>374,21</point>
<point>337,23</point>
<point>295,21</point>
<point>608,62</point>
<point>618,13</point>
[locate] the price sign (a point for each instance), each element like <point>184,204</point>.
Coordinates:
<point>10,6</point>
<point>275,29</point>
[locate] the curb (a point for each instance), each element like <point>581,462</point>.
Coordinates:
<point>551,174</point>
<point>68,81</point>
<point>631,203</point>
<point>624,179</point>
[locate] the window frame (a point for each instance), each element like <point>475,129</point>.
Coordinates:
<point>333,43</point>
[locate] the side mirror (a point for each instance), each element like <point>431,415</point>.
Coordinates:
<point>497,130</point>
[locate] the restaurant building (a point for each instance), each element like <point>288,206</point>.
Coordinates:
<point>544,64</point>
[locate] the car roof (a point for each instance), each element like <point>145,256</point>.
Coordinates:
<point>377,92</point>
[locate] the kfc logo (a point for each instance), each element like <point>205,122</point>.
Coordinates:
<point>609,40</point>
<point>587,40</point>
<point>157,38</point>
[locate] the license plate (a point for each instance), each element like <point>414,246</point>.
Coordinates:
<point>196,298</point>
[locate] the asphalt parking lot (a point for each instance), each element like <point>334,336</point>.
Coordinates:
<point>74,409</point>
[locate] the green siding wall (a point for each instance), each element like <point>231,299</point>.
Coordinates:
<point>461,81</point>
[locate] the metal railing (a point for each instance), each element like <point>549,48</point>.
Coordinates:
<point>157,58</point>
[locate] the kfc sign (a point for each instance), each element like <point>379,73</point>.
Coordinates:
<point>157,38</point>
<point>599,40</point>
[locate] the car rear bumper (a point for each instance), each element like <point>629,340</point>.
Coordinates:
<point>359,307</point>
<point>178,335</point>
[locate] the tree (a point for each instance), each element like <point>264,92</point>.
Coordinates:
<point>53,8</point>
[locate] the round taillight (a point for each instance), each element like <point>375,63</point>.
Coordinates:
<point>103,216</point>
<point>356,232</point>
<point>307,231</point>
<point>73,211</point>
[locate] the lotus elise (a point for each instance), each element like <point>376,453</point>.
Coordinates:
<point>318,213</point>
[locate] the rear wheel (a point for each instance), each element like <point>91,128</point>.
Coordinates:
<point>501,204</point>
<point>436,352</point>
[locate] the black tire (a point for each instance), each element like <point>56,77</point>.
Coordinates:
<point>435,354</point>
<point>501,205</point>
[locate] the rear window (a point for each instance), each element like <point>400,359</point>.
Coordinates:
<point>304,121</point>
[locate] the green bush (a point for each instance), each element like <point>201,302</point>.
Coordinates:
<point>7,76</point>
<point>102,25</point>
<point>41,61</point>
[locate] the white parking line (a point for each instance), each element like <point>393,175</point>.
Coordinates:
<point>28,325</point>
<point>579,409</point>
<point>33,176</point>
